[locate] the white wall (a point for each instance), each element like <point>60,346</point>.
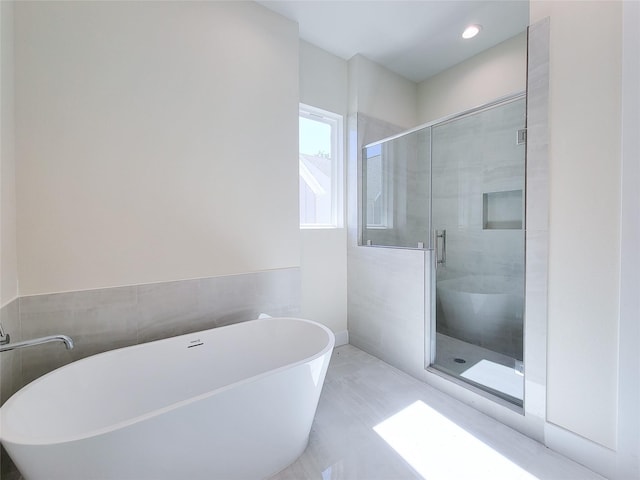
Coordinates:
<point>584,240</point>
<point>323,79</point>
<point>154,141</point>
<point>380,93</point>
<point>8,253</point>
<point>494,73</point>
<point>323,261</point>
<point>629,360</point>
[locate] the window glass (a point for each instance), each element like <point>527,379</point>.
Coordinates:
<point>320,166</point>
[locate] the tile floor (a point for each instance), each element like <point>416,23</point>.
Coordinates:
<point>376,422</point>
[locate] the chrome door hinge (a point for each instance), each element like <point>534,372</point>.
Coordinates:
<point>522,136</point>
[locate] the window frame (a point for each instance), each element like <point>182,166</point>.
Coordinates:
<point>336,123</point>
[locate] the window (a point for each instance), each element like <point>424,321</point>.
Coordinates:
<point>320,163</point>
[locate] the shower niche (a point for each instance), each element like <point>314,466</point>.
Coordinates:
<point>502,210</point>
<point>456,187</point>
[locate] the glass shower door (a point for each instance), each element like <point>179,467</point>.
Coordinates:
<point>478,181</point>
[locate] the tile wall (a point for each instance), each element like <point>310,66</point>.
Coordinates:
<point>386,302</point>
<point>472,157</point>
<point>10,368</point>
<point>537,214</point>
<point>10,362</point>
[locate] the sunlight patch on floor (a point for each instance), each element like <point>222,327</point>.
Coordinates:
<point>438,449</point>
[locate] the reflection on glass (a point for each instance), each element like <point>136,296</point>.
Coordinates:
<point>377,193</point>
<point>396,183</point>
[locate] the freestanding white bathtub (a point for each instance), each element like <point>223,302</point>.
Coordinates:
<point>485,310</point>
<point>234,402</point>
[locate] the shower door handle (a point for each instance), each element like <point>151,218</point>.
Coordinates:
<point>441,253</point>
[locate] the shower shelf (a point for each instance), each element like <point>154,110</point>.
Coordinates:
<point>502,210</point>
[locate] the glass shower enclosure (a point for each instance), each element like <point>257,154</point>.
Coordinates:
<point>457,188</point>
<point>396,191</point>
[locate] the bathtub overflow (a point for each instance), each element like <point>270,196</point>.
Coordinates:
<point>195,343</point>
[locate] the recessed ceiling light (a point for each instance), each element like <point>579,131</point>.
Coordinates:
<point>471,31</point>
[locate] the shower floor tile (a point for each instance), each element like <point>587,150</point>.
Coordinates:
<point>448,349</point>
<point>481,366</point>
<point>375,422</point>
<point>497,377</point>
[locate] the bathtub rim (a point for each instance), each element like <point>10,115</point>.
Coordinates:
<point>20,439</point>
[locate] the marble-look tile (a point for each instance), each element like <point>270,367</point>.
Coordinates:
<point>536,322</point>
<point>537,204</point>
<point>361,391</point>
<point>10,361</point>
<point>176,308</point>
<point>10,319</point>
<point>228,299</point>
<point>503,253</point>
<point>236,298</point>
<point>38,361</point>
<point>168,309</point>
<point>537,220</point>
<point>96,320</point>
<point>105,319</point>
<point>463,251</point>
<point>537,126</point>
<point>386,303</point>
<point>536,259</point>
<point>278,292</point>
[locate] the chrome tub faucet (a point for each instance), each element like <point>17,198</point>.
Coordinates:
<point>6,345</point>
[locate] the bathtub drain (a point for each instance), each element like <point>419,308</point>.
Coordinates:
<point>459,360</point>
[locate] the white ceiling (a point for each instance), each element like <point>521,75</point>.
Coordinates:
<point>415,39</point>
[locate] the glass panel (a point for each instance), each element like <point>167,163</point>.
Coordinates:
<point>320,161</point>
<point>478,170</point>
<point>396,191</point>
